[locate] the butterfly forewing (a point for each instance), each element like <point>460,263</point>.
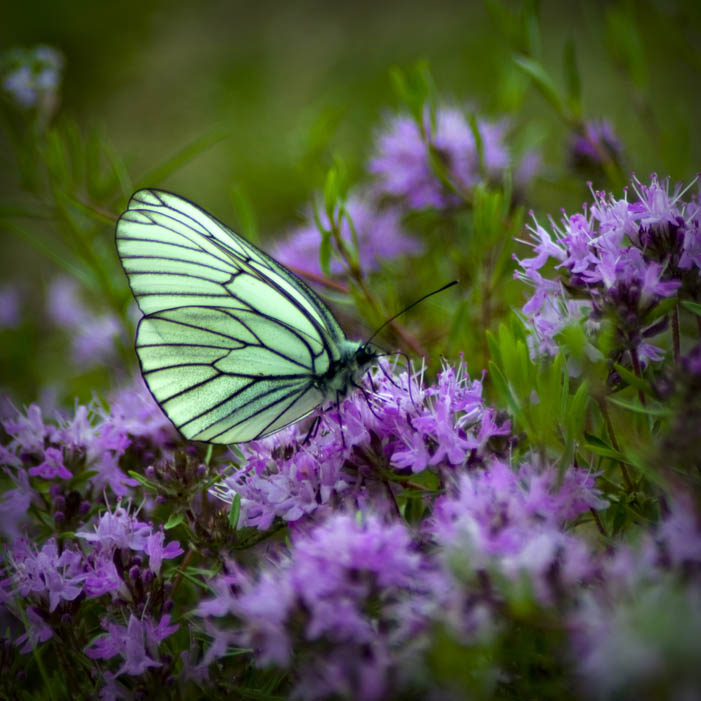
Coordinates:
<point>232,344</point>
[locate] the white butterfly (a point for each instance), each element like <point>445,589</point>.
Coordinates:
<point>232,345</point>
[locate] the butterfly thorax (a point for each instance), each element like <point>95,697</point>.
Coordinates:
<point>345,371</point>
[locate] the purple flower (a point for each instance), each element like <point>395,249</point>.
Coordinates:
<point>37,632</point>
<point>637,640</point>
<point>441,427</point>
<point>101,443</point>
<point>119,530</point>
<point>134,412</point>
<point>596,144</point>
<point>34,76</point>
<point>93,336</point>
<point>28,433</point>
<point>618,260</point>
<point>137,643</point>
<point>379,235</point>
<point>49,450</point>
<point>403,167</point>
<point>513,520</point>
<point>52,466</point>
<point>157,552</point>
<point>15,503</point>
<point>102,577</point>
<point>45,573</point>
<point>336,603</point>
<point>9,307</point>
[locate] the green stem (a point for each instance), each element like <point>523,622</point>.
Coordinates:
<point>598,523</point>
<point>675,333</point>
<point>614,442</point>
<point>638,373</point>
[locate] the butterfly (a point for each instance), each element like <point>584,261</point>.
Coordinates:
<point>232,345</point>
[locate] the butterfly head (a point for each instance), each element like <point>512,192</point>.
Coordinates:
<point>345,371</point>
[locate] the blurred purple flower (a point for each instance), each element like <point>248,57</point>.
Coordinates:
<point>15,503</point>
<point>379,234</point>
<point>513,520</point>
<point>38,631</point>
<point>34,76</point>
<point>634,639</point>
<point>137,643</point>
<point>597,144</point>
<point>335,602</point>
<point>9,306</point>
<point>402,164</point>
<point>134,412</point>
<point>28,432</point>
<point>93,336</point>
<point>618,260</point>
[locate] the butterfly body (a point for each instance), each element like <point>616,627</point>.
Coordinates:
<point>232,345</point>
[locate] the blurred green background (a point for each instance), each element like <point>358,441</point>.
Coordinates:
<point>276,90</point>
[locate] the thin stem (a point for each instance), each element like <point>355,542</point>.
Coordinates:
<point>392,498</point>
<point>182,568</point>
<point>319,279</point>
<point>614,442</point>
<point>675,333</point>
<point>638,373</point>
<point>598,523</point>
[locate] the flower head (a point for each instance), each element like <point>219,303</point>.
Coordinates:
<point>396,422</point>
<point>92,335</point>
<point>594,145</point>
<point>34,76</point>
<point>136,643</point>
<point>378,233</point>
<point>616,261</point>
<point>337,602</point>
<point>402,161</point>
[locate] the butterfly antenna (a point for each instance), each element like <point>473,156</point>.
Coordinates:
<point>411,306</point>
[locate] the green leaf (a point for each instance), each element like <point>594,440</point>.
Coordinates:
<point>479,144</point>
<point>235,512</point>
<point>663,307</point>
<point>325,253</point>
<point>595,440</point>
<point>143,480</point>
<point>633,380</point>
<point>544,83</point>
<point>606,452</point>
<point>325,244</point>
<point>635,406</point>
<point>415,90</point>
<point>331,194</point>
<point>245,214</point>
<point>693,307</point>
<point>184,156</point>
<point>577,410</point>
<point>174,520</point>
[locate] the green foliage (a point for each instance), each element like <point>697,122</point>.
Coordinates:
<point>538,395</point>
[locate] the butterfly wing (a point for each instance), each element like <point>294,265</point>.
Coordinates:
<point>231,342</point>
